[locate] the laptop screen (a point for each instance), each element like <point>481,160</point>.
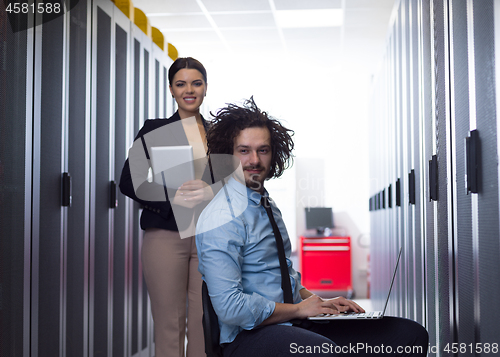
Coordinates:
<point>392,281</point>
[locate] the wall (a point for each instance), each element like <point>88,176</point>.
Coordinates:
<point>327,108</point>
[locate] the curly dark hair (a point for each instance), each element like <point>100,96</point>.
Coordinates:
<point>229,121</point>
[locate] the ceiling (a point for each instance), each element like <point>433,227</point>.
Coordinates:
<point>215,28</point>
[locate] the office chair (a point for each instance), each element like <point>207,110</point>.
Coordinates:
<point>210,325</point>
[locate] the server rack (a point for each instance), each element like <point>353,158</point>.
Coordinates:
<point>16,103</point>
<point>438,93</point>
<point>70,277</point>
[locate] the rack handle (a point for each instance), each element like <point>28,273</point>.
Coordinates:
<point>398,192</point>
<point>113,202</point>
<point>433,178</point>
<point>472,158</point>
<point>411,187</point>
<point>66,196</point>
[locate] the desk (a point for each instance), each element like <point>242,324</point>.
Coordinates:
<point>325,264</point>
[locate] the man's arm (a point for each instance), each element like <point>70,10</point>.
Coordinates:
<point>304,293</point>
<point>311,306</point>
<point>220,262</point>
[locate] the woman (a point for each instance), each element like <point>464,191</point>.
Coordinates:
<point>169,260</point>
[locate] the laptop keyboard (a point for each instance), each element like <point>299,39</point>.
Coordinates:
<point>366,315</point>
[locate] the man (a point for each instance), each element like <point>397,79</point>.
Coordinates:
<point>239,260</point>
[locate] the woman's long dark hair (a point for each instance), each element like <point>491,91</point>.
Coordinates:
<point>186,62</point>
<point>228,123</point>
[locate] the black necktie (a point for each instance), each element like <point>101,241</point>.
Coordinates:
<point>286,286</point>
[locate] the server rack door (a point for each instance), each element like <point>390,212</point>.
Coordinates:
<point>102,150</point>
<point>427,149</point>
<point>148,110</point>
<point>49,228</point>
<point>158,88</point>
<point>389,235</point>
<point>462,214</point>
<point>373,179</point>
<point>488,232</point>
<point>392,242</point>
<point>164,72</point>
<point>444,244</point>
<point>384,170</point>
<point>78,151</point>
<point>129,208</point>
<point>386,137</point>
<point>121,237</point>
<point>160,60</point>
<point>400,309</point>
<point>409,165</point>
<point>136,275</point>
<point>168,108</point>
<point>381,141</point>
<point>416,277</point>
<point>16,135</point>
<point>382,148</point>
<point>430,150</point>
<point>141,321</point>
<point>393,230</point>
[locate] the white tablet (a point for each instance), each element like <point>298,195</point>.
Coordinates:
<point>172,165</point>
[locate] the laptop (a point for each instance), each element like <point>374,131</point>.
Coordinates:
<point>172,165</point>
<point>361,315</point>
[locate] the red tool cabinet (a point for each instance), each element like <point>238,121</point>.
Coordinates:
<point>325,263</point>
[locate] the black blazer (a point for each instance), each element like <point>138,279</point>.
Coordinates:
<point>158,214</point>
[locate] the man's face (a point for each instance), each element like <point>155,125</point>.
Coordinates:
<point>253,147</point>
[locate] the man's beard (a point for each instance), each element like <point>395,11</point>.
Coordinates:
<point>253,182</point>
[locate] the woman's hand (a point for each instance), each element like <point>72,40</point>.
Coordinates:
<point>192,193</point>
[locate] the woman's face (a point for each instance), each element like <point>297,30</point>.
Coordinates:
<point>188,88</point>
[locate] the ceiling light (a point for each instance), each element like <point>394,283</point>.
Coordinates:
<point>309,18</point>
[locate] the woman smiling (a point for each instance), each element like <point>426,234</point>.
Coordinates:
<point>169,259</point>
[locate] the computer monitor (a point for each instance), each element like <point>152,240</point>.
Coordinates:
<point>319,218</point>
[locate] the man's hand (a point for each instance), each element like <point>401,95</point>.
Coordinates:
<point>192,193</point>
<point>344,305</point>
<point>315,305</point>
<point>339,304</point>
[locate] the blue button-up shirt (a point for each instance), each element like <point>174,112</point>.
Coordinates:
<point>238,259</point>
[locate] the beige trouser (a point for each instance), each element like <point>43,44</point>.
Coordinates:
<point>170,266</point>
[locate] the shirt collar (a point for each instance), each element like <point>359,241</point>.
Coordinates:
<point>243,190</point>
